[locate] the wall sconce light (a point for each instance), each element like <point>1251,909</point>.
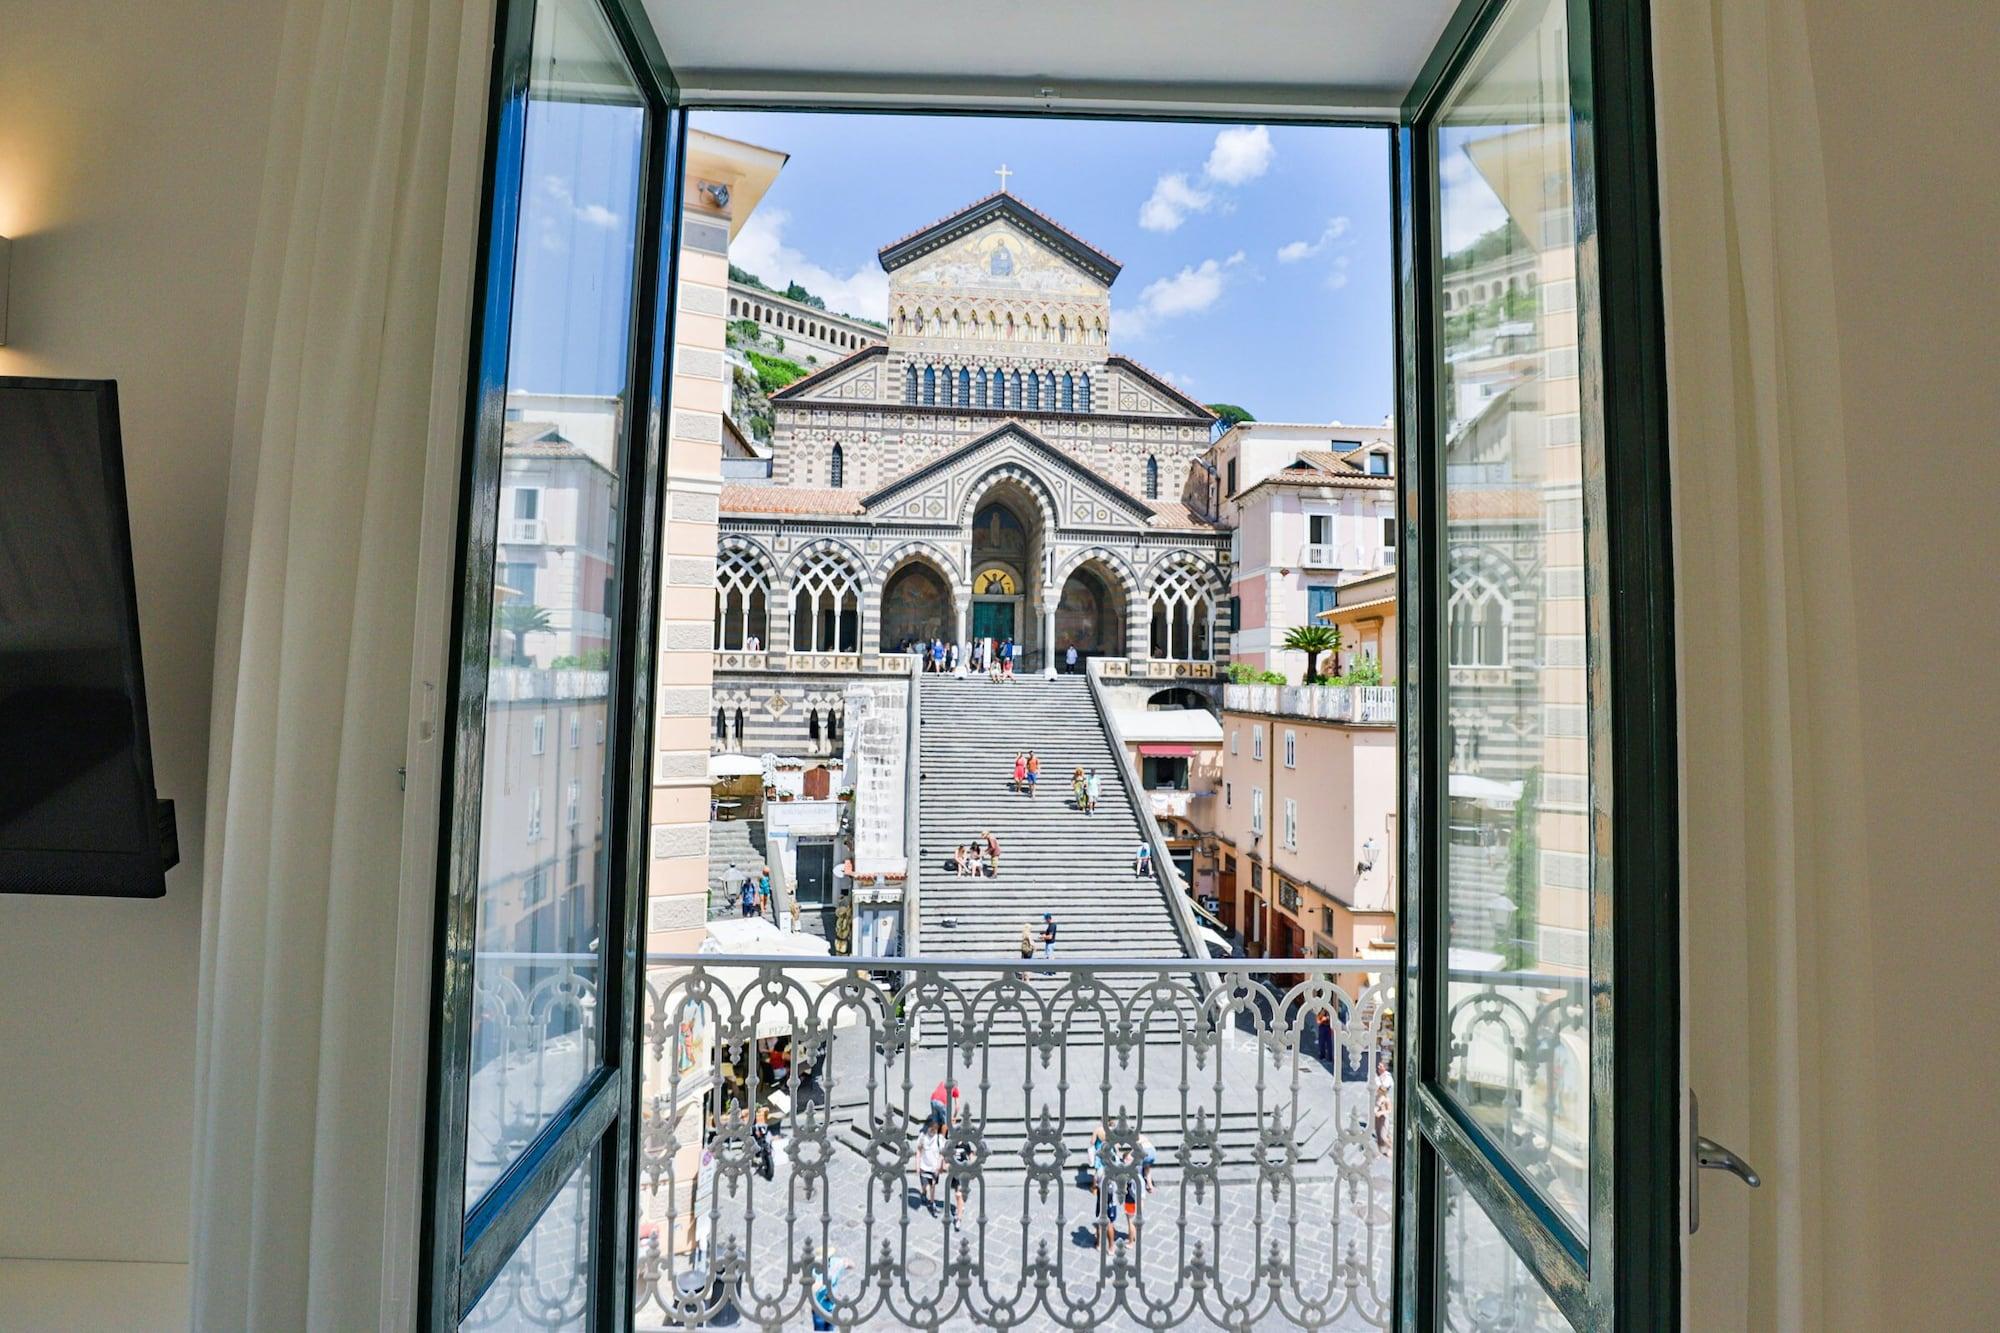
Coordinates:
<point>1369,851</point>
<point>6,249</point>
<point>718,195</point>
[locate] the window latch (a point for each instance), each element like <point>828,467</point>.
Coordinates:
<point>1705,1154</point>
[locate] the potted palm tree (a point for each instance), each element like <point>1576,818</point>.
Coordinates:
<point>1312,640</point>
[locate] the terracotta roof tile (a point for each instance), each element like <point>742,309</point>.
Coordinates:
<point>1312,476</point>
<point>1174,514</point>
<point>1331,461</point>
<point>741,498</point>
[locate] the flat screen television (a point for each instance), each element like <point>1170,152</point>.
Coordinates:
<point>78,812</point>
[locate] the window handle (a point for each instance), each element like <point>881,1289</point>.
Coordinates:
<point>1705,1154</point>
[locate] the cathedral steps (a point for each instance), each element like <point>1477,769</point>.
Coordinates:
<point>1053,857</point>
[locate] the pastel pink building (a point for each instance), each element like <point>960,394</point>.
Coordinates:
<point>1312,506</point>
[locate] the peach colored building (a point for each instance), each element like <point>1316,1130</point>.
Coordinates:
<point>1364,611</point>
<point>1305,829</point>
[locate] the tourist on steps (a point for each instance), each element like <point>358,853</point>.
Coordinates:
<point>1007,658</point>
<point>1142,863</point>
<point>931,1145</point>
<point>1034,771</point>
<point>1090,791</point>
<point>1027,946</point>
<point>1048,934</point>
<point>1069,659</point>
<point>1076,789</point>
<point>992,854</point>
<point>1020,770</point>
<point>764,893</point>
<point>748,896</point>
<point>962,863</point>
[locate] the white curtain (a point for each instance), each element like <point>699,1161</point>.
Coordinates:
<point>1772,814</point>
<point>352,361</point>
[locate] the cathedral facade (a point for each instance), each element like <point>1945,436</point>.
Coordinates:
<point>993,470</point>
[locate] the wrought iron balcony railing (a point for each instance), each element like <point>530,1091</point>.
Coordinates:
<point>1121,1145</point>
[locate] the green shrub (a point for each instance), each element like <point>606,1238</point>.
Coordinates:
<point>773,372</point>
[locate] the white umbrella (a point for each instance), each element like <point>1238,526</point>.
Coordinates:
<point>755,935</point>
<point>722,766</point>
<point>1470,786</point>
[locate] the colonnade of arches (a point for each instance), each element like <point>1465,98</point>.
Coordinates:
<point>826,602</point>
<point>1478,293</point>
<point>945,384</point>
<point>782,320</point>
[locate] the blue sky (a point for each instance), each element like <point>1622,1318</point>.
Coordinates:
<point>1256,258</point>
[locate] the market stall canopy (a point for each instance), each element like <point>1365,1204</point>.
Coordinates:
<point>1169,726</point>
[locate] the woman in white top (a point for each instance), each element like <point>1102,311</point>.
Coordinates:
<point>930,1161</point>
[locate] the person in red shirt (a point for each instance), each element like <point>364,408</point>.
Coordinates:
<point>945,1100</point>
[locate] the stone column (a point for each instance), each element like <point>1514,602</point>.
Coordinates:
<point>1048,638</point>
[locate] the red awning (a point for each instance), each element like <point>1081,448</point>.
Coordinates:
<point>1167,751</point>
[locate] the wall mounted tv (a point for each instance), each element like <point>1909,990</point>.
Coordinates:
<point>78,813</point>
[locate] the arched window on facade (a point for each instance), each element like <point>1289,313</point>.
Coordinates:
<point>1183,616</point>
<point>1476,620</point>
<point>1034,391</point>
<point>826,606</point>
<point>1014,390</point>
<point>836,472</point>
<point>930,386</point>
<point>742,602</point>
<point>1152,476</point>
<point>979,387</point>
<point>1068,392</point>
<point>909,384</point>
<point>964,387</point>
<point>1083,391</point>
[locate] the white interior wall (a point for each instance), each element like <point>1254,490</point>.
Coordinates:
<point>131,143</point>
<point>1913,198</point>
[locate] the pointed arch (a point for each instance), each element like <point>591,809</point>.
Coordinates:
<point>836,472</point>
<point>742,597</point>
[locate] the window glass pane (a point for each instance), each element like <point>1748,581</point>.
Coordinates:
<point>1485,1284</point>
<point>1518,865</point>
<point>545,1285</point>
<point>540,929</point>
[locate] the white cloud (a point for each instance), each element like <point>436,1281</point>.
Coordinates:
<point>1173,198</point>
<point>760,249</point>
<point>1237,157</point>
<point>1240,155</point>
<point>1292,252</point>
<point>1192,290</point>
<point>1336,273</point>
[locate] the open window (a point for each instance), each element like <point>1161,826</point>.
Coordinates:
<point>1531,1092</point>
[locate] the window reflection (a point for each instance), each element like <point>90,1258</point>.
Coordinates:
<point>542,890</point>
<point>1518,846</point>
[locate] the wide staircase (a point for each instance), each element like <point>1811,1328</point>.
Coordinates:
<point>1053,856</point>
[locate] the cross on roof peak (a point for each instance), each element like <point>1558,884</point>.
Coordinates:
<point>1003,173</point>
